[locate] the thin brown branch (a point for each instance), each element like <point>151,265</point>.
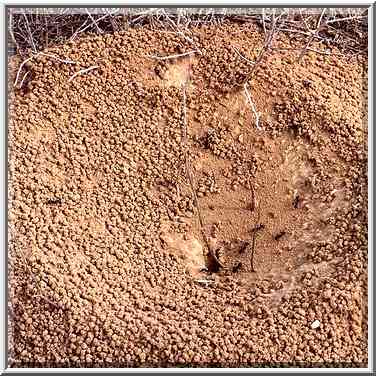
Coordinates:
<point>189,171</point>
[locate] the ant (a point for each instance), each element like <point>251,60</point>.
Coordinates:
<point>279,235</point>
<point>54,201</point>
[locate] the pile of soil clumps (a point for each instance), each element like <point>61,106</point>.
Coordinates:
<point>151,223</point>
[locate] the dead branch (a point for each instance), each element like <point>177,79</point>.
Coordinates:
<point>179,31</point>
<point>346,19</point>
<point>79,31</point>
<point>29,32</point>
<point>12,34</point>
<point>36,55</point>
<point>263,20</point>
<point>100,31</point>
<point>313,35</point>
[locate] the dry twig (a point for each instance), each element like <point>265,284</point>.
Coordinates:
<point>100,31</point>
<point>313,35</point>
<point>36,55</point>
<point>29,33</point>
<point>66,61</point>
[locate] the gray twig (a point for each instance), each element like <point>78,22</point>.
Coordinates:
<point>100,31</point>
<point>313,35</point>
<point>29,32</point>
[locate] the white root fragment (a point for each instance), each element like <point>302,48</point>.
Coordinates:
<point>80,72</point>
<point>173,56</point>
<point>66,61</point>
<point>248,96</point>
<point>23,79</point>
<point>243,57</point>
<point>20,68</point>
<point>204,281</point>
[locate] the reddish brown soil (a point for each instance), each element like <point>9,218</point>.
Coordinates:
<point>107,256</point>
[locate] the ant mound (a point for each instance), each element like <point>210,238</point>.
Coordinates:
<point>154,220</point>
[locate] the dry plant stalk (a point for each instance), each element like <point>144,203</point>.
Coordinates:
<point>266,47</point>
<point>189,170</point>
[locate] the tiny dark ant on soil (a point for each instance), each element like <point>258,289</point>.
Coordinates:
<point>307,83</point>
<point>243,247</point>
<point>279,235</point>
<point>237,267</point>
<point>258,227</point>
<point>54,201</point>
<point>295,202</point>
